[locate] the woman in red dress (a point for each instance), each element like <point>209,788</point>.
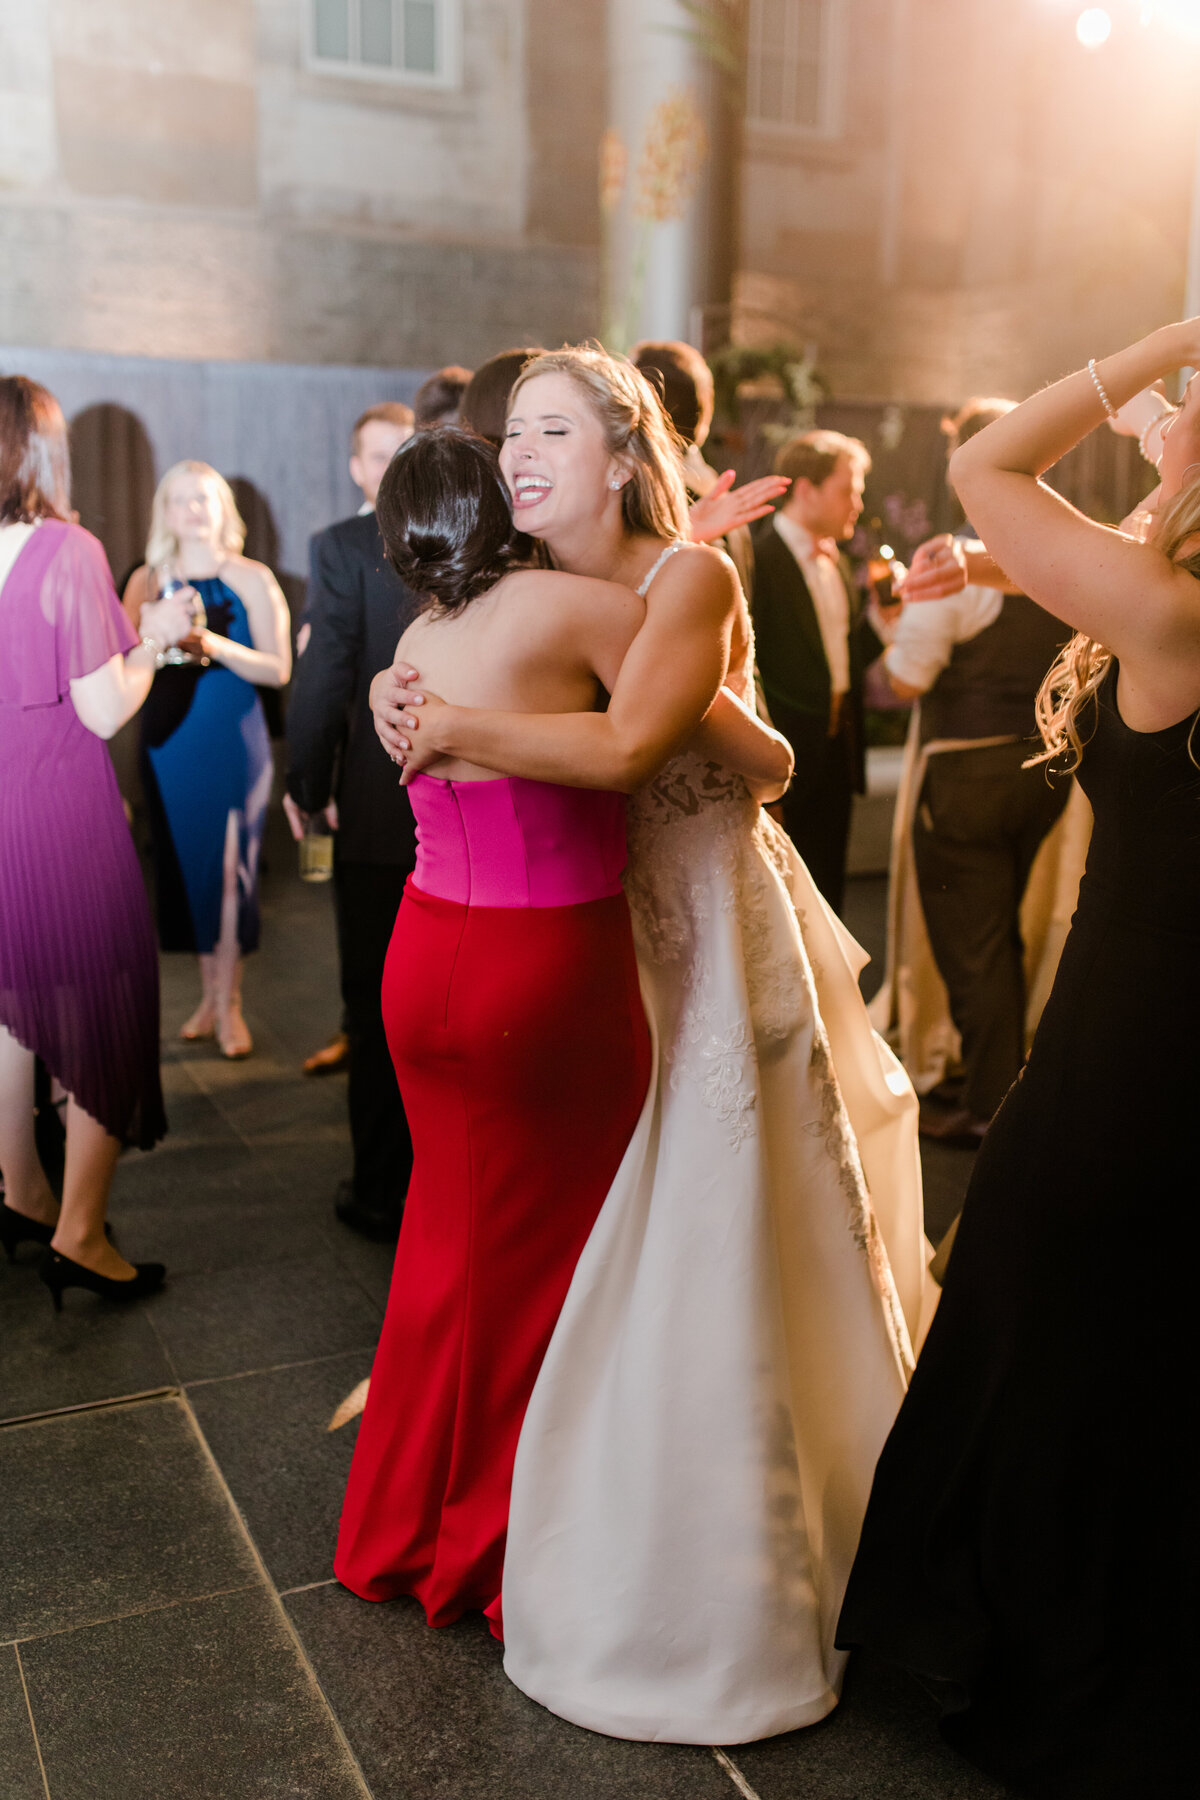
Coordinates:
<point>515,1022</point>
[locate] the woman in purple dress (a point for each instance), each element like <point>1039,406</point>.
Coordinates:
<point>78,965</point>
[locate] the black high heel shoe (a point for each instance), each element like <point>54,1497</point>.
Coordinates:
<point>16,1228</point>
<point>59,1272</point>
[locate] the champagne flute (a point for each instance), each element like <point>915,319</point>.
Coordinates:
<point>163,583</point>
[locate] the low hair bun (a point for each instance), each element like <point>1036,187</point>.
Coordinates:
<point>444,514</point>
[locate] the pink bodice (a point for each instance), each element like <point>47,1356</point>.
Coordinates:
<point>514,842</point>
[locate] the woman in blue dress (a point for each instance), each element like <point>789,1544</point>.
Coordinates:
<point>206,755</point>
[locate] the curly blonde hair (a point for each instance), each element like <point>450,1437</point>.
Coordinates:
<point>636,427</point>
<point>162,544</point>
<point>1084,662</point>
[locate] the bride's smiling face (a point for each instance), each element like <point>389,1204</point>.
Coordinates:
<point>555,460</point>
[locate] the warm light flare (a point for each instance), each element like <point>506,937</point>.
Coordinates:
<point>1093,28</point>
<point>1180,15</point>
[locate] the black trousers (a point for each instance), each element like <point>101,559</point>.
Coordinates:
<point>367,897</point>
<point>980,820</point>
<point>816,808</point>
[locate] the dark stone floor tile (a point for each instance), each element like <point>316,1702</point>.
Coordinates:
<point>191,1116</point>
<point>309,1169</point>
<point>946,1172</point>
<point>177,1172</point>
<point>261,1099</point>
<point>209,1699</point>
<point>246,1223</point>
<point>20,1776</point>
<point>370,1264</point>
<point>431,1715</point>
<point>92,1350</point>
<point>881,1744</point>
<point>259,1318</point>
<point>285,1468</point>
<point>864,914</point>
<point>108,1511</point>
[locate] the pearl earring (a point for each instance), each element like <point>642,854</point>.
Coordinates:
<point>615,485</point>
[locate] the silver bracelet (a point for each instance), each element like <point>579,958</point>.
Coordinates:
<point>1105,402</point>
<point>149,643</point>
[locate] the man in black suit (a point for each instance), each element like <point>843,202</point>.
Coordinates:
<point>357,608</point>
<point>814,643</point>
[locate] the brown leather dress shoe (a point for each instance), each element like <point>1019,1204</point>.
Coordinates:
<point>333,1055</point>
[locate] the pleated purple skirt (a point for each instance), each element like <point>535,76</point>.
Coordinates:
<point>78,961</point>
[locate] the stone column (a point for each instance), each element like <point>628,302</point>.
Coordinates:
<point>670,169</point>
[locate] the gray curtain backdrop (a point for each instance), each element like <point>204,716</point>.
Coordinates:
<point>279,432</point>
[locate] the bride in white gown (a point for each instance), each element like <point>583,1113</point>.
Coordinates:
<point>696,1457</point>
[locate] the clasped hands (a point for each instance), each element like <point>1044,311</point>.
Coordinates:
<point>394,703</point>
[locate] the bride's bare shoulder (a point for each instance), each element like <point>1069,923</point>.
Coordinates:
<point>546,591</point>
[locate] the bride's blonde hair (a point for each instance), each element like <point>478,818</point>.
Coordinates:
<point>636,428</point>
<point>162,544</point>
<point>1083,664</point>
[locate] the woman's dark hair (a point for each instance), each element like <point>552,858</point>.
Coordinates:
<point>437,400</point>
<point>35,463</point>
<point>444,513</point>
<point>683,381</point>
<point>484,407</point>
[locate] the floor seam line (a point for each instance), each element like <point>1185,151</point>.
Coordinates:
<point>161,1341</point>
<point>135,1612</point>
<point>37,1742</point>
<point>273,1593</point>
<point>735,1775</point>
<point>86,1406</point>
<point>308,1362</point>
<point>308,1587</point>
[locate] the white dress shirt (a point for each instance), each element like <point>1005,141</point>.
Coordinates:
<point>829,597</point>
<point>924,638</point>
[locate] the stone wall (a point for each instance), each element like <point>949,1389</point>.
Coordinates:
<point>1038,200</point>
<point>991,206</point>
<point>175,182</point>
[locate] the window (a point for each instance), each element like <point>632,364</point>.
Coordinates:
<point>390,40</point>
<point>789,77</point>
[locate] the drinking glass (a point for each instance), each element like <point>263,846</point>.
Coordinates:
<point>316,849</point>
<point>163,583</point>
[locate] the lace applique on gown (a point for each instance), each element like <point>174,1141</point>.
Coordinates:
<point>696,1459</point>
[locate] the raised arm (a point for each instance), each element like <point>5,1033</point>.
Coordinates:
<point>110,696</point>
<point>667,682</point>
<point>1128,596</point>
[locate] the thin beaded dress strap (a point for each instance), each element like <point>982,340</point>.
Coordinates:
<point>670,550</point>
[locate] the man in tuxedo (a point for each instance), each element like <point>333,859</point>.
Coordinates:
<point>357,608</point>
<point>814,643</point>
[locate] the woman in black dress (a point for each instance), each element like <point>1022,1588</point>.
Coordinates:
<point>1030,1550</point>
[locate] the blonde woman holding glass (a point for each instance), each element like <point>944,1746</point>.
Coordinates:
<point>206,755</point>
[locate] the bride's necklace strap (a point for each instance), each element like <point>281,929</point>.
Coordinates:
<point>657,564</point>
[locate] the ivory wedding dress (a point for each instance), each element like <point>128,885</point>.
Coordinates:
<point>694,1464</point>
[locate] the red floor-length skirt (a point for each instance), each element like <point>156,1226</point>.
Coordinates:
<point>523,1056</point>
